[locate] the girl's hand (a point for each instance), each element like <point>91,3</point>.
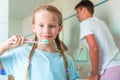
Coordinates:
<point>14,41</point>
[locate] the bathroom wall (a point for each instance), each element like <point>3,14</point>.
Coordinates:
<point>15,27</point>
<point>3,20</point>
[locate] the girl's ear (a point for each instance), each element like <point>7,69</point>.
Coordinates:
<point>33,27</point>
<point>60,28</point>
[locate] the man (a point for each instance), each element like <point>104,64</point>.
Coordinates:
<point>104,54</point>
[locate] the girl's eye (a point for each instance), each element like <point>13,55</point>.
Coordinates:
<point>49,26</point>
<point>41,25</point>
<point>52,26</point>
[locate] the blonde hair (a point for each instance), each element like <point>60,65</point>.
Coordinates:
<point>60,45</point>
<point>48,8</point>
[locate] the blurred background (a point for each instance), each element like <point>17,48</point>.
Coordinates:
<point>15,18</point>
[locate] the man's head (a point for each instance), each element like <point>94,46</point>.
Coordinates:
<point>84,8</point>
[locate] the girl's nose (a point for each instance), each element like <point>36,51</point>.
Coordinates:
<point>46,29</point>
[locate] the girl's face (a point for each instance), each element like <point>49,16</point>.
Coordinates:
<point>46,26</point>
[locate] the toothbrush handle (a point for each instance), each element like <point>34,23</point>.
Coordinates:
<point>28,41</point>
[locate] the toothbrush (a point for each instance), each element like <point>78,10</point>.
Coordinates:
<point>45,41</point>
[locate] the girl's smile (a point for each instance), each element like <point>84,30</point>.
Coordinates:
<point>46,37</point>
<point>46,26</point>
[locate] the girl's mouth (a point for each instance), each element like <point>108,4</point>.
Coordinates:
<point>46,37</point>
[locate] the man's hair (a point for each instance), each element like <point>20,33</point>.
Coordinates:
<point>87,4</point>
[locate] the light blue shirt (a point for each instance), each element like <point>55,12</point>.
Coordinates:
<point>44,65</point>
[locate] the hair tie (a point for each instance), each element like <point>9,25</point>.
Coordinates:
<point>29,62</point>
<point>67,70</point>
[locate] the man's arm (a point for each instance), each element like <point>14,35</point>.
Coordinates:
<point>94,56</point>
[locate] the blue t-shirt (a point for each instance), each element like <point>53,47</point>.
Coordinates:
<point>44,65</point>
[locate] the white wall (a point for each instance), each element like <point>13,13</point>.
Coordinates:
<point>27,26</point>
<point>15,27</point>
<point>65,6</point>
<point>3,20</point>
<point>115,20</point>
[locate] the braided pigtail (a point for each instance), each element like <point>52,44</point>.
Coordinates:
<point>62,47</point>
<point>30,58</point>
<point>33,48</point>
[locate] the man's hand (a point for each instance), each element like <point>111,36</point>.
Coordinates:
<point>94,77</point>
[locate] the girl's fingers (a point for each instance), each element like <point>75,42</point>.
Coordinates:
<point>22,40</point>
<point>16,40</point>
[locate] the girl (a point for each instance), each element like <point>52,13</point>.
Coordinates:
<point>41,61</point>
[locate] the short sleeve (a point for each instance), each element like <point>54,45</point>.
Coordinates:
<point>85,29</point>
<point>7,62</point>
<point>11,58</point>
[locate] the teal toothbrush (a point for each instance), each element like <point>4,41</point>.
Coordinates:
<point>45,41</point>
